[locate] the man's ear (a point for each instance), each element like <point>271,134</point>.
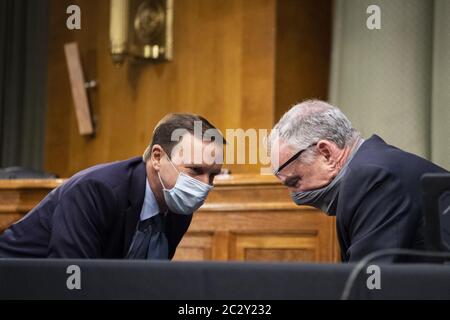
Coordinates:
<point>157,154</point>
<point>325,148</point>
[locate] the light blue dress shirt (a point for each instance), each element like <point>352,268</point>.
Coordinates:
<point>150,207</point>
<point>149,240</point>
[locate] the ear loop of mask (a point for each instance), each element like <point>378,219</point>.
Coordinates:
<point>159,176</point>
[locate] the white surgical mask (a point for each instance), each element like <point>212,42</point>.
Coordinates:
<point>187,195</point>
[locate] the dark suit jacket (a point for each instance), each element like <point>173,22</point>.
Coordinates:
<point>379,203</point>
<point>92,215</point>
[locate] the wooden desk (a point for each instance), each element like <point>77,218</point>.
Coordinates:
<point>17,197</point>
<point>246,217</point>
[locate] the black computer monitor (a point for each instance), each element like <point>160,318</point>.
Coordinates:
<point>436,209</point>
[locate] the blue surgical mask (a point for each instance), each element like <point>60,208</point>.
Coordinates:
<point>187,195</point>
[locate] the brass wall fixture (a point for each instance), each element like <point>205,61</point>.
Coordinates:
<point>141,29</point>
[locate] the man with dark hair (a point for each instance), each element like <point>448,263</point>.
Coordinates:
<point>134,209</point>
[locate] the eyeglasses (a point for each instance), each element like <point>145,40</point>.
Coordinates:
<point>292,159</point>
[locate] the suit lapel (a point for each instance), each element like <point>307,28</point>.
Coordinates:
<point>135,202</point>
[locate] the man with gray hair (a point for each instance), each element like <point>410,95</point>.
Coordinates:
<point>371,187</point>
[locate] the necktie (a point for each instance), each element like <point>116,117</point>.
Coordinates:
<point>149,241</point>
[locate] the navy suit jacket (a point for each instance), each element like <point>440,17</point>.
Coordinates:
<point>94,214</point>
<point>379,202</point>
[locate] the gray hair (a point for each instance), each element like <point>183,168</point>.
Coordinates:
<point>310,121</point>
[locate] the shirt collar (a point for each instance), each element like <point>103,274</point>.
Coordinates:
<point>150,207</point>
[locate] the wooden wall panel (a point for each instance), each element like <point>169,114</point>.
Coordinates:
<point>17,197</point>
<point>303,52</point>
<point>223,68</point>
<point>252,218</point>
<point>240,63</point>
<point>297,234</point>
<point>269,228</point>
<point>198,247</point>
<point>273,247</point>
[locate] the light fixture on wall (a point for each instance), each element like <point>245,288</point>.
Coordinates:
<point>141,29</point>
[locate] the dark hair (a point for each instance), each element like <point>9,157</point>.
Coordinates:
<point>162,134</point>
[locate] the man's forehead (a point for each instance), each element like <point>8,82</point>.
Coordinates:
<point>195,150</point>
<point>197,143</point>
<point>280,152</point>
<point>281,149</point>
